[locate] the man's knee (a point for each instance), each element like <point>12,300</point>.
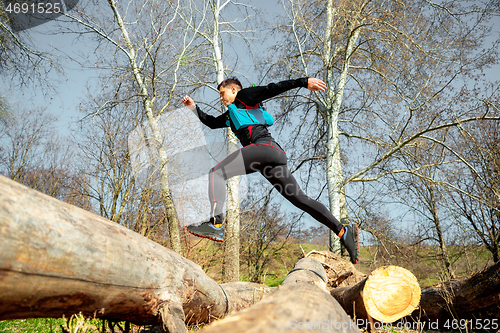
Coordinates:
<point>217,171</point>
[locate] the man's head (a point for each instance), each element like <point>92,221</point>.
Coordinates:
<point>228,90</point>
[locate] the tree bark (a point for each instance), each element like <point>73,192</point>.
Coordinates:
<point>386,295</point>
<point>340,272</point>
<point>157,141</point>
<point>301,302</point>
<point>334,97</point>
<point>57,259</point>
<point>476,296</point>
<point>231,262</point>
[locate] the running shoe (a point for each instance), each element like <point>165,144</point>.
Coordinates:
<point>350,239</point>
<point>208,230</point>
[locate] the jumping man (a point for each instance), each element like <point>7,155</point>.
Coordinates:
<point>260,153</point>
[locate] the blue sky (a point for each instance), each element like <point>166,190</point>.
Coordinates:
<point>70,88</point>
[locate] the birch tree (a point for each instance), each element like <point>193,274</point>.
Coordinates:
<point>231,267</point>
<point>209,24</point>
<point>391,70</point>
<point>144,48</point>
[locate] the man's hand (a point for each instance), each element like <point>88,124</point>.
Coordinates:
<point>188,102</point>
<point>314,84</point>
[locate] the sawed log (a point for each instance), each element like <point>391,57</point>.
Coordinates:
<point>57,259</point>
<point>385,295</point>
<point>300,303</point>
<point>389,293</point>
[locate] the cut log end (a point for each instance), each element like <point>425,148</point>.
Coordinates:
<point>391,293</point>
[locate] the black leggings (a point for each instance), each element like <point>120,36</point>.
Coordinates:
<point>270,160</point>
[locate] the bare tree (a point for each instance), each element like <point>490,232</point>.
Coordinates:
<point>209,24</point>
<point>422,191</point>
<point>147,54</point>
<point>33,153</point>
<point>266,232</point>
<point>21,61</point>
<point>476,196</point>
<point>104,155</point>
<point>391,70</point>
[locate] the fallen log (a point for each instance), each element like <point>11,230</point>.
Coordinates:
<point>301,302</point>
<point>57,259</point>
<point>476,296</point>
<point>340,272</point>
<point>389,293</point>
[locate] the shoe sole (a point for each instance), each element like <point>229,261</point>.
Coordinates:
<point>207,237</point>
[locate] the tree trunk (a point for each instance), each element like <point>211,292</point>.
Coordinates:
<point>231,262</point>
<point>476,296</point>
<point>57,259</point>
<point>340,272</point>
<point>301,302</point>
<point>437,224</point>
<point>386,295</point>
<point>173,223</point>
<point>334,97</point>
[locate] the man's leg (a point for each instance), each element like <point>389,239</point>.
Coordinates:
<point>283,180</point>
<point>237,163</point>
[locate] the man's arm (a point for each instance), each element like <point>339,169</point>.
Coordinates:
<point>208,120</point>
<point>253,95</point>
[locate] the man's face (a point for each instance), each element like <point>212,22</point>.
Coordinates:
<point>228,94</point>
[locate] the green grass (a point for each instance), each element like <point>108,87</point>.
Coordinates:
<point>77,324</point>
<point>273,281</point>
<point>43,325</point>
<point>309,247</point>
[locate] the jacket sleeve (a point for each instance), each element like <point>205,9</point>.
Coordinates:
<point>253,95</point>
<point>211,121</point>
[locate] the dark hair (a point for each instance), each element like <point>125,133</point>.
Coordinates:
<point>229,82</point>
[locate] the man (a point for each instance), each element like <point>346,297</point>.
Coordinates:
<point>260,153</point>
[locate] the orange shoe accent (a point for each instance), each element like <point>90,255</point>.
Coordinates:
<point>218,225</point>
<point>342,232</point>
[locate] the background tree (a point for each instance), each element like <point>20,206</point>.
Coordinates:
<point>422,191</point>
<point>476,197</point>
<point>208,23</point>
<point>392,69</point>
<point>22,64</point>
<point>103,134</point>
<point>150,50</point>
<point>109,180</point>
<point>266,234</point>
<point>33,153</point>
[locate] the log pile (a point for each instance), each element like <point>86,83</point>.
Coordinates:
<point>468,298</point>
<point>389,293</point>
<point>57,259</point>
<point>301,302</point>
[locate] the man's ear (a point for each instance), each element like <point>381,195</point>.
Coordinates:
<point>234,89</point>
